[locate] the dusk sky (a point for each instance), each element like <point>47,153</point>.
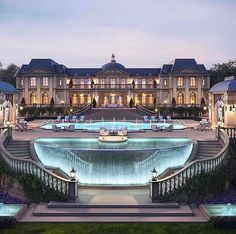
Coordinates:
<point>141,33</point>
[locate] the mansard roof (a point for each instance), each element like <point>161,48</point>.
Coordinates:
<point>143,71</point>
<point>187,64</point>
<point>50,66</point>
<point>82,71</point>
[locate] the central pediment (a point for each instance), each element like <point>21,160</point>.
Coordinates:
<point>40,71</point>
<point>187,71</point>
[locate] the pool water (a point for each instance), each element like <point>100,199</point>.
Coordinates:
<point>131,126</point>
<point>9,210</point>
<point>221,210</point>
<point>128,163</point>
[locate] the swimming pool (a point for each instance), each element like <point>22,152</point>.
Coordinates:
<point>9,210</point>
<point>115,125</point>
<point>128,163</point>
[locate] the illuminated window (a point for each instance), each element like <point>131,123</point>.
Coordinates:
<point>192,81</point>
<point>60,82</point>
<point>193,98</point>
<point>180,99</point>
<point>74,99</point>
<point>144,99</point>
<point>33,81</point>
<point>81,98</point>
<point>32,98</point>
<point>180,81</point>
<point>203,82</point>
<point>22,82</point>
<point>45,81</point>
<point>150,99</point>
<point>158,80</point>
<point>89,99</point>
<point>165,82</point>
<point>45,99</point>
<point>136,100</point>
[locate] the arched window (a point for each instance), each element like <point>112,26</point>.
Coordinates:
<point>74,99</point>
<point>180,99</point>
<point>32,98</point>
<point>144,99</point>
<point>45,99</point>
<point>193,98</point>
<point>150,100</point>
<point>136,99</point>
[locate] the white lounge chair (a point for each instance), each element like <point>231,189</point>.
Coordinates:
<point>161,119</point>
<point>168,118</point>
<point>103,132</point>
<point>123,132</point>
<point>56,128</point>
<point>145,119</point>
<point>170,128</point>
<point>82,118</point>
<point>66,118</point>
<point>74,118</point>
<point>153,118</point>
<point>70,128</point>
<point>58,120</point>
<point>155,128</point>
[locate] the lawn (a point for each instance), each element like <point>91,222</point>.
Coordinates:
<point>86,228</point>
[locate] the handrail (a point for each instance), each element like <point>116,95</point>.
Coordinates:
<point>161,189</point>
<point>144,110</point>
<point>231,132</point>
<point>84,109</point>
<point>28,166</point>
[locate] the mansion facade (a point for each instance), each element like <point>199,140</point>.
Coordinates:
<point>43,81</point>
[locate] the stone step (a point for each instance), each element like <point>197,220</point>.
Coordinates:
<point>72,205</point>
<point>43,210</point>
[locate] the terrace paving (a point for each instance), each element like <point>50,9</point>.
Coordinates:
<point>36,132</point>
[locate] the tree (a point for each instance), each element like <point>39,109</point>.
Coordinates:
<point>52,102</point>
<point>9,74</point>
<point>219,71</point>
<point>133,83</point>
<point>94,103</point>
<point>173,102</point>
<point>131,103</point>
<point>154,84</point>
<point>92,83</point>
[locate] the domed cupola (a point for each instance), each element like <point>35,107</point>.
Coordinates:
<point>112,65</point>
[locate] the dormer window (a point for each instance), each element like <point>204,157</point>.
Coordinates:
<point>60,82</point>
<point>21,82</point>
<point>137,74</point>
<point>149,74</point>
<point>88,74</point>
<point>75,74</point>
<point>165,82</point>
<point>60,70</point>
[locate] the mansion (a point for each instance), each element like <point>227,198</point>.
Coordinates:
<point>43,81</point>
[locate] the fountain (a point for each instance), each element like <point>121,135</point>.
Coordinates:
<point>227,210</point>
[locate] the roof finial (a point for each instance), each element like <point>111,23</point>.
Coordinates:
<point>113,58</point>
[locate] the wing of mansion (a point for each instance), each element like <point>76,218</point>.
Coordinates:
<point>43,81</point>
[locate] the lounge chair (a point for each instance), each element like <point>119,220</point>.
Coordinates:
<point>204,124</point>
<point>155,128</point>
<point>67,117</point>
<point>20,127</point>
<point>58,120</point>
<point>153,118</point>
<point>123,132</point>
<point>56,128</point>
<point>82,118</point>
<point>145,119</point>
<point>161,119</point>
<point>168,118</point>
<point>74,119</point>
<point>70,128</point>
<point>103,132</point>
<point>170,128</point>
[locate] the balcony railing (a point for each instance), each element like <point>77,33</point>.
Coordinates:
<point>112,86</point>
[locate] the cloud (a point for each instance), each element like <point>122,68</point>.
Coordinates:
<point>140,33</point>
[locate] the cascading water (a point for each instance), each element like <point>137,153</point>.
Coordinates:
<point>127,163</point>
